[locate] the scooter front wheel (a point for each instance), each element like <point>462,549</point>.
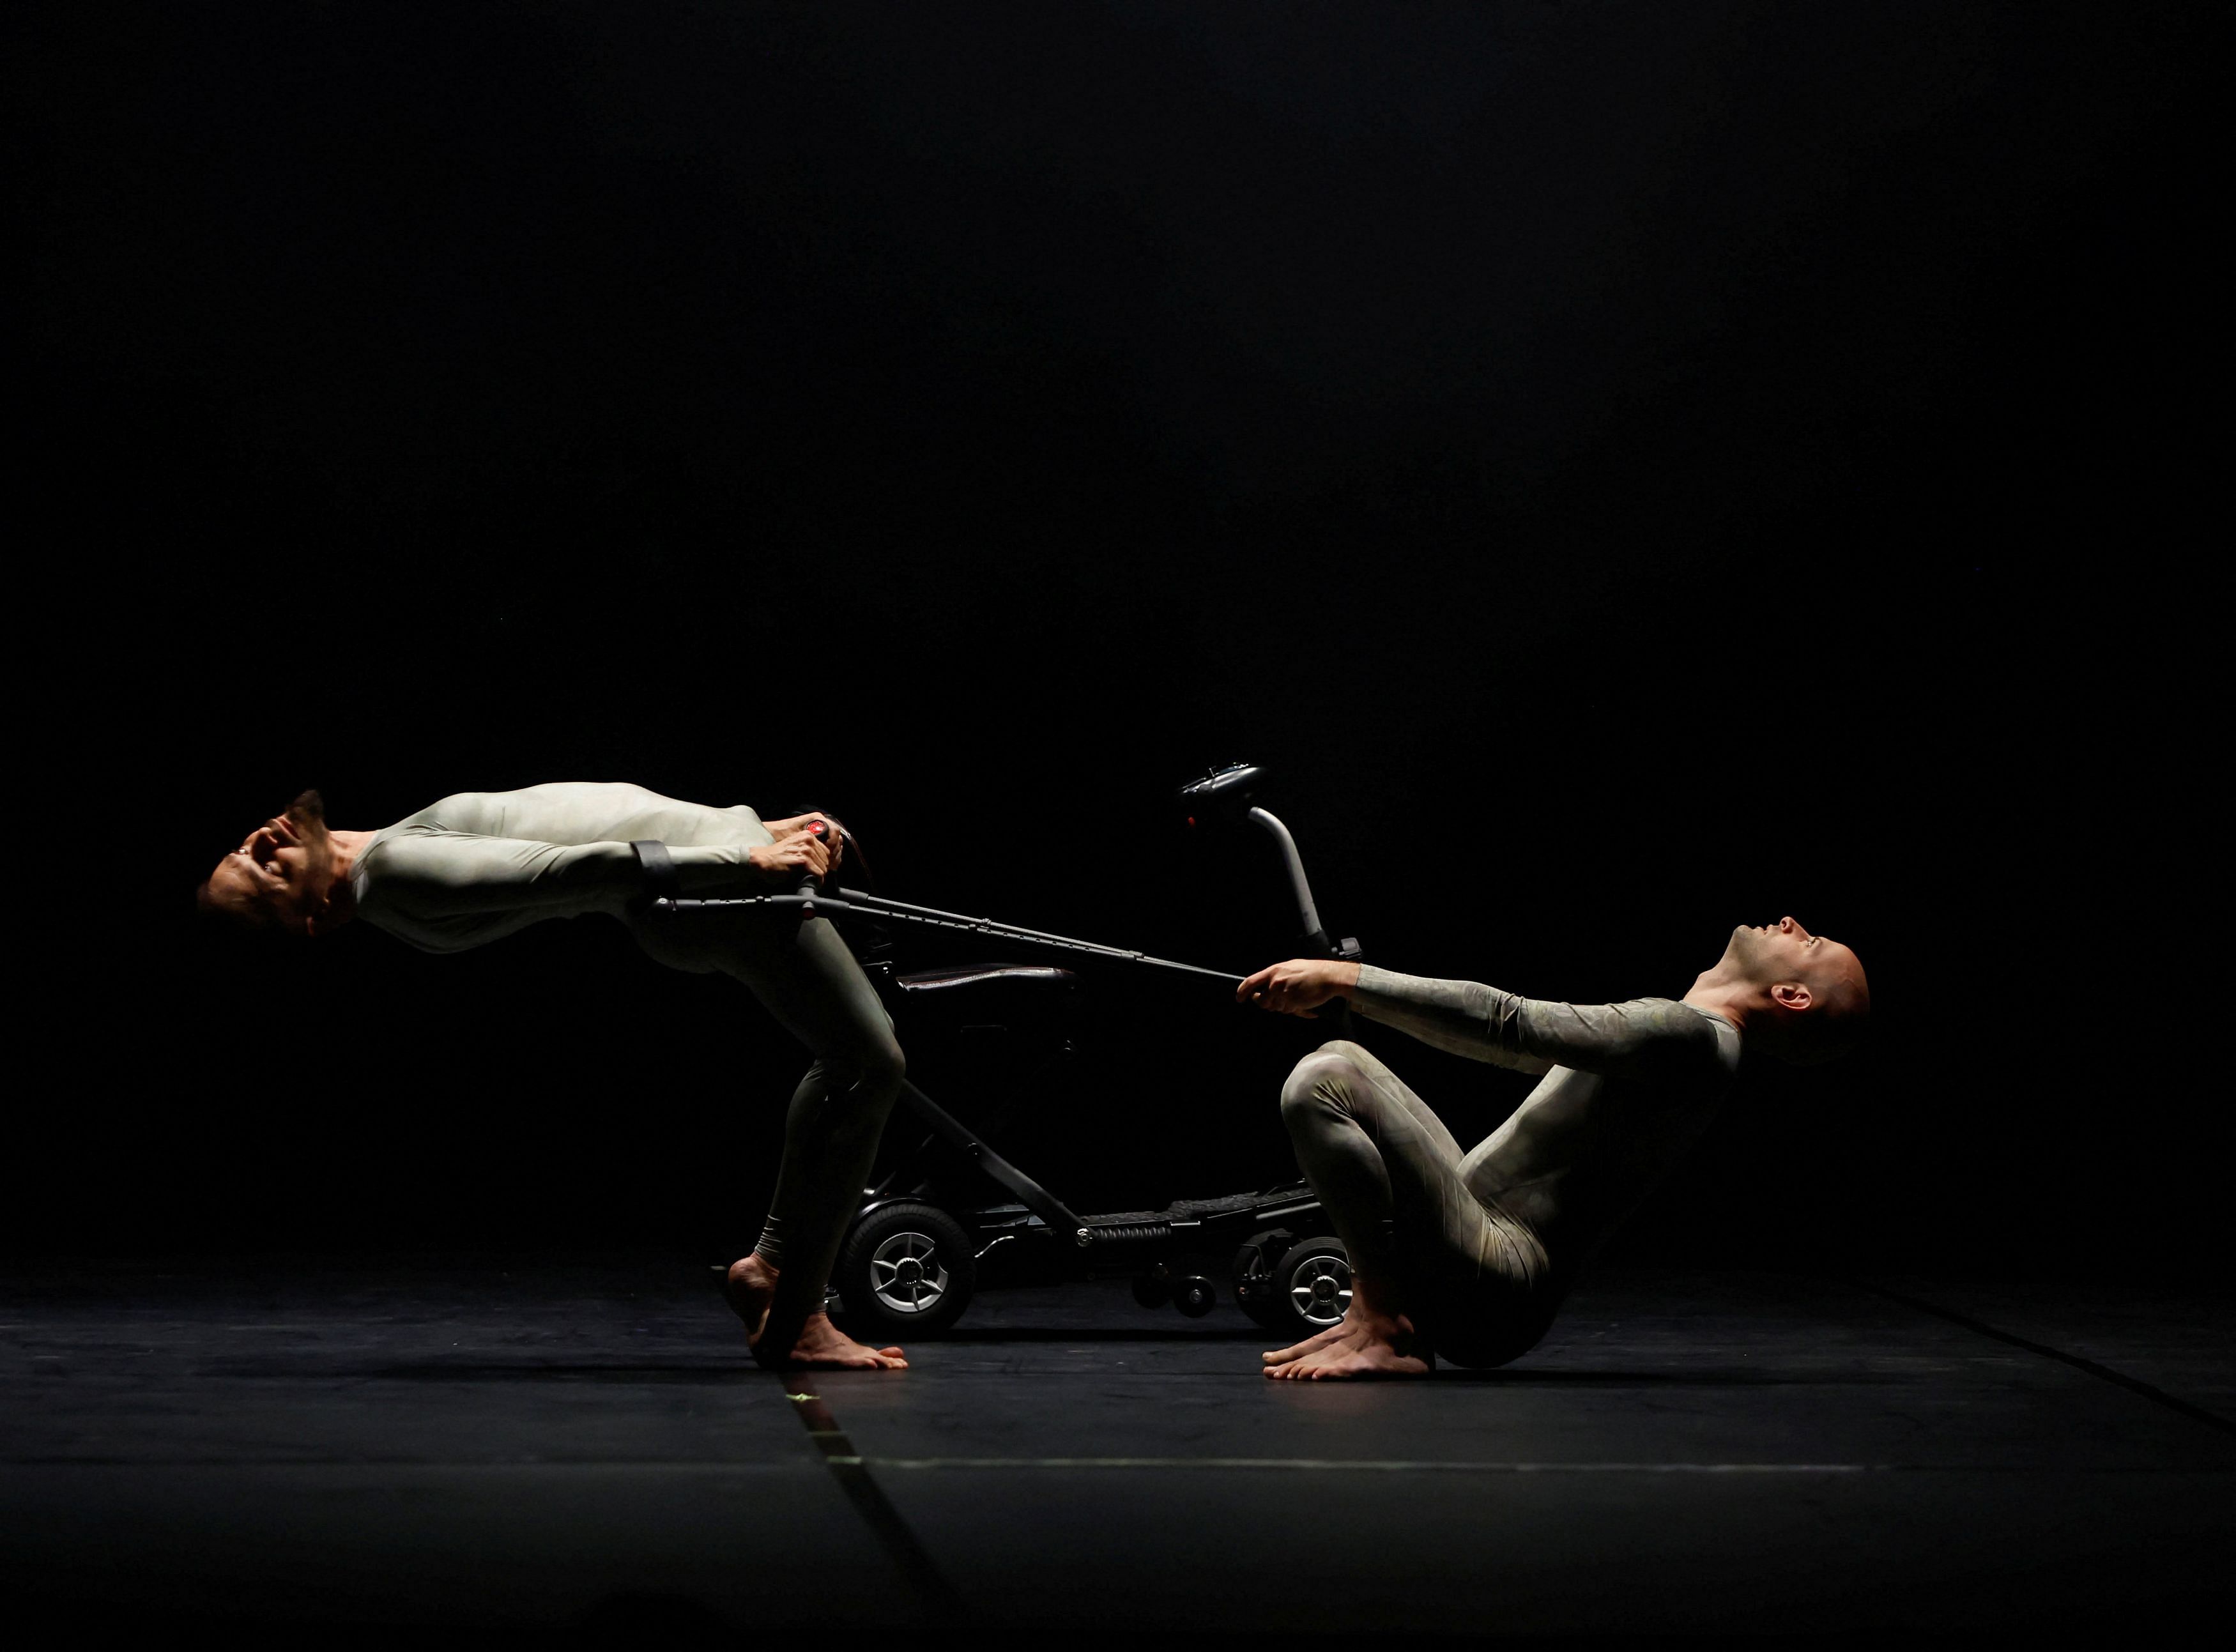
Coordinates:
<point>906,1269</point>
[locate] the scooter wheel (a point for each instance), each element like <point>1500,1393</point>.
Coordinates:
<point>1194,1296</point>
<point>1257,1292</point>
<point>1311,1287</point>
<point>906,1269</point>
<point>1152,1292</point>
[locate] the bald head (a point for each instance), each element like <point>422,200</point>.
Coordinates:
<point>1808,999</point>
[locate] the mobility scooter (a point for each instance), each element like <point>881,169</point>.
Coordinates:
<point>909,1264</point>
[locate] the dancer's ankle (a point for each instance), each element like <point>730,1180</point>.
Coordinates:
<point>1377,1300</point>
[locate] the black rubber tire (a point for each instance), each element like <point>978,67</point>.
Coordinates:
<point>1301,1260</point>
<point>1260,1256</point>
<point>905,1232</point>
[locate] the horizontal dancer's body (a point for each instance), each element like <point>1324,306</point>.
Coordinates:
<point>479,865</point>
<point>1468,1254</point>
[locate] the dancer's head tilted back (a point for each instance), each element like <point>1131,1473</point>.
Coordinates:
<point>1803,998</point>
<point>285,876</point>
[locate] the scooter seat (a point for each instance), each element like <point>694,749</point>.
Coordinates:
<point>1028,975</point>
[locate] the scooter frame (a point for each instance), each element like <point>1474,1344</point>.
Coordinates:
<point>1151,1244</point>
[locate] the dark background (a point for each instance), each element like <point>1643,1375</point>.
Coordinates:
<point>1626,469</point>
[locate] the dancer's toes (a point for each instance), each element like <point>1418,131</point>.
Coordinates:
<point>1358,1347</point>
<point>821,1345</point>
<point>1298,1350</point>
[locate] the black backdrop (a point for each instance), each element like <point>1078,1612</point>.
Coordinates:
<point>1626,469</point>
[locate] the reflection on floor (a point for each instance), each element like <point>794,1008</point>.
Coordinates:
<point>469,1447</point>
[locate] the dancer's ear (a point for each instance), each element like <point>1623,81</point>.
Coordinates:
<point>1792,995</point>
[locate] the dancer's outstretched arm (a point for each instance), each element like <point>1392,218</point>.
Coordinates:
<point>1482,1022</point>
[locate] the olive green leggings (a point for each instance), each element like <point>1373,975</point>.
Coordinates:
<point>810,982</point>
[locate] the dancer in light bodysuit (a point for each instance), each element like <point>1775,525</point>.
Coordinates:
<point>1467,1255</point>
<point>481,864</point>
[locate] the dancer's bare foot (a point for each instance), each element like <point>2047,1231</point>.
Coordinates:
<point>822,1346</point>
<point>1374,1339</point>
<point>1298,1350</point>
<point>1363,1345</point>
<point>749,1287</point>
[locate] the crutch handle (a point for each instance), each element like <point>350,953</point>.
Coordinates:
<point>810,884</point>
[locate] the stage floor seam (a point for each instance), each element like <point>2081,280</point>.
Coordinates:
<point>2078,1362</point>
<point>940,1602</point>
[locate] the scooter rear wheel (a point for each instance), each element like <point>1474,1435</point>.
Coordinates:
<point>906,1269</point>
<point>1305,1291</point>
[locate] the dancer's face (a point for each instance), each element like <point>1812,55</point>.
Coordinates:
<point>280,875</point>
<point>1785,956</point>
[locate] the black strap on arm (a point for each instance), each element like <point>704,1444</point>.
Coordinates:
<point>660,878</point>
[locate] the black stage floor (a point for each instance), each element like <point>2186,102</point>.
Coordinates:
<point>548,1447</point>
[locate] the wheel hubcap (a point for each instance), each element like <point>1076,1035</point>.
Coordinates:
<point>1321,1290</point>
<point>905,1274</point>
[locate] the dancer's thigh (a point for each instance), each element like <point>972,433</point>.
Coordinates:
<point>802,971</point>
<point>1489,1294</point>
<point>1486,1287</point>
<point>812,982</point>
<point>1396,1097</point>
<point>1442,1231</point>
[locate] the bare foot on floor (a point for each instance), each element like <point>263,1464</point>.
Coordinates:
<point>750,1288</point>
<point>822,1346</point>
<point>1298,1350</point>
<point>1360,1347</point>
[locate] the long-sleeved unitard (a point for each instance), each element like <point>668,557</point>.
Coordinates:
<point>1492,1237</point>
<point>480,865</point>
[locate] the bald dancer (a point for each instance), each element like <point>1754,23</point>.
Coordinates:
<point>479,865</point>
<point>1467,1255</point>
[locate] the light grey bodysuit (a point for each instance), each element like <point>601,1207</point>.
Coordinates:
<point>1491,1240</point>
<point>479,865</point>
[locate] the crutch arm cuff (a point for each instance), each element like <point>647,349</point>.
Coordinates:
<point>661,879</point>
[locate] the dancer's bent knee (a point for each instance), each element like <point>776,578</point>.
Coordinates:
<point>1330,1079</point>
<point>882,1068</point>
<point>874,1072</point>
